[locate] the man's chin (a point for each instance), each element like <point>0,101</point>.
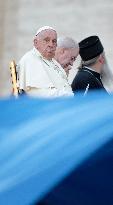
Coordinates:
<point>51,55</point>
<point>48,54</point>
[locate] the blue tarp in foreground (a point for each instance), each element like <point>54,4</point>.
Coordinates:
<point>59,151</point>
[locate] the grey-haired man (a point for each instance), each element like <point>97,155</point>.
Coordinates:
<point>66,52</point>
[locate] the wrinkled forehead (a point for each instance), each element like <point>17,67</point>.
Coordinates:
<point>47,34</point>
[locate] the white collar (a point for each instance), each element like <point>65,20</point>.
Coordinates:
<point>40,55</point>
<point>37,52</point>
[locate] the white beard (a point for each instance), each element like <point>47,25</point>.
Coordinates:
<point>107,77</point>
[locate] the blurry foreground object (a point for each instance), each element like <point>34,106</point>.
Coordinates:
<point>59,151</point>
<point>90,184</point>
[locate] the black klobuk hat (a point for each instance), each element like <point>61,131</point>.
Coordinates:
<point>90,48</point>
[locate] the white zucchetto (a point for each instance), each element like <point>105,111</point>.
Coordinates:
<point>44,28</point>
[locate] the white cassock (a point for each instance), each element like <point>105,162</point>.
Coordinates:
<point>41,77</point>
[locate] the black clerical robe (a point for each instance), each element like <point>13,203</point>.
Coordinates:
<point>86,80</point>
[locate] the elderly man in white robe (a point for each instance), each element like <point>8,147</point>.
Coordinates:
<point>39,73</point>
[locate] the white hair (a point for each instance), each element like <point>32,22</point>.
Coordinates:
<point>67,42</point>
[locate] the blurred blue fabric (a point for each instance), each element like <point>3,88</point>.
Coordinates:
<point>51,146</point>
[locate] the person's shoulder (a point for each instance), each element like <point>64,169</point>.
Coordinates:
<point>81,79</point>
<point>26,56</point>
<point>82,75</point>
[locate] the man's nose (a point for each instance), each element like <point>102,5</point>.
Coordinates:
<point>51,43</point>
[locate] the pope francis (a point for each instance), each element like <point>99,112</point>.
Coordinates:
<point>39,73</point>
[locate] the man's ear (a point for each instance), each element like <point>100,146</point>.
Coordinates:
<point>101,59</point>
<point>35,42</point>
<point>63,50</point>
